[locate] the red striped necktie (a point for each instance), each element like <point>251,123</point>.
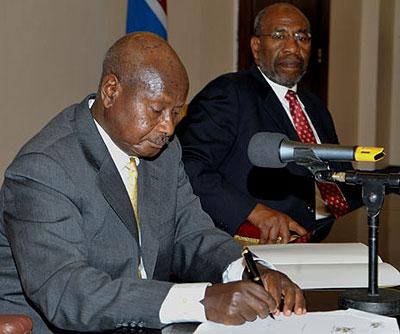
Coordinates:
<point>330,192</point>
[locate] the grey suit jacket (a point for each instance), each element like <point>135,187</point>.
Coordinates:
<point>69,224</point>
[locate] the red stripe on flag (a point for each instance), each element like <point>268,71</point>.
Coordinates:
<point>163,4</point>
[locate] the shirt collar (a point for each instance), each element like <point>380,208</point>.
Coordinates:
<point>119,157</point>
<point>279,90</point>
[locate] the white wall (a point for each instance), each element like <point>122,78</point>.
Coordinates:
<point>364,75</point>
<point>393,124</point>
<point>51,53</point>
<point>343,78</point>
<point>203,34</point>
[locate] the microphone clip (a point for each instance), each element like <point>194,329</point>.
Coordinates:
<point>306,157</point>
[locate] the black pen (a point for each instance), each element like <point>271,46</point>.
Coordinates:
<point>252,270</point>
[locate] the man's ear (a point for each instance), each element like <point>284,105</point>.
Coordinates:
<point>110,89</point>
<point>255,47</point>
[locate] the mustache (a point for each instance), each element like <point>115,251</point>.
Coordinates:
<point>291,59</point>
<point>161,140</point>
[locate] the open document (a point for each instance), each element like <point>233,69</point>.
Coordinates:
<point>349,321</point>
<point>326,265</point>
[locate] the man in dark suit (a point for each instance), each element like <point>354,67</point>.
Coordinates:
<point>224,116</point>
<point>96,210</point>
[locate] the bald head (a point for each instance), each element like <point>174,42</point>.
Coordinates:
<point>135,57</point>
<point>279,8</point>
<point>142,90</point>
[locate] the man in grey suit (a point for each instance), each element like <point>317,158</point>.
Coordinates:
<point>73,256</point>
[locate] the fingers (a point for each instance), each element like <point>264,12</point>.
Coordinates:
<point>273,234</point>
<point>300,306</point>
<point>293,226</point>
<point>258,302</point>
<point>273,225</point>
<point>271,230</point>
<point>279,285</point>
<point>265,231</point>
<point>284,232</point>
<point>273,284</point>
<point>256,308</point>
<point>294,300</point>
<point>236,302</point>
<point>264,303</point>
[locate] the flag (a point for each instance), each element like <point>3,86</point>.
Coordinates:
<point>147,15</point>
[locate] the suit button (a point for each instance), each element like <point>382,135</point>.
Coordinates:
<point>310,209</point>
<point>221,226</point>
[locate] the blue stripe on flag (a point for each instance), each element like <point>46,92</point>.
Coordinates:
<point>141,18</point>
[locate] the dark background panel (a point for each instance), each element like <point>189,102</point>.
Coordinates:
<point>316,78</point>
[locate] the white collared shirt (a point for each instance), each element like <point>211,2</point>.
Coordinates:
<point>321,209</point>
<point>120,158</point>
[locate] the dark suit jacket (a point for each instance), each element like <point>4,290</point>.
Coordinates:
<point>215,135</point>
<point>73,236</point>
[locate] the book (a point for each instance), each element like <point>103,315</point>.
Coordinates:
<point>326,265</point>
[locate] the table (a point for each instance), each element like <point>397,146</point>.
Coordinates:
<point>317,300</point>
<point>350,228</point>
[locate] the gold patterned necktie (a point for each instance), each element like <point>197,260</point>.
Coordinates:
<point>132,187</point>
<point>133,196</point>
<point>330,192</point>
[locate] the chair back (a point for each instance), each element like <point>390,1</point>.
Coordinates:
<point>15,324</point>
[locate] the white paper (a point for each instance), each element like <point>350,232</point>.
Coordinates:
<point>325,265</point>
<point>348,275</point>
<point>349,321</point>
<point>313,253</point>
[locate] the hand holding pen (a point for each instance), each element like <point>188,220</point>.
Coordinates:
<point>252,270</point>
<point>280,287</point>
<point>238,301</point>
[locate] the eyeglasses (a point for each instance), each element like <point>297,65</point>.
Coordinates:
<point>280,36</point>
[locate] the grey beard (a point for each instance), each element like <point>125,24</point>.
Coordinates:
<point>275,77</point>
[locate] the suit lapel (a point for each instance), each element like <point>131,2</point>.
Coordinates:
<point>280,117</point>
<point>113,189</point>
<point>114,192</point>
<point>108,178</point>
<point>273,106</point>
<point>149,203</point>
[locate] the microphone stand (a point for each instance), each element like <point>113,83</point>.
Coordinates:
<point>382,301</point>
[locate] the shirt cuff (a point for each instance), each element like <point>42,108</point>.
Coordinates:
<point>182,303</point>
<point>234,272</point>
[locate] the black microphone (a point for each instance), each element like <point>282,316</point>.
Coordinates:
<point>274,150</point>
